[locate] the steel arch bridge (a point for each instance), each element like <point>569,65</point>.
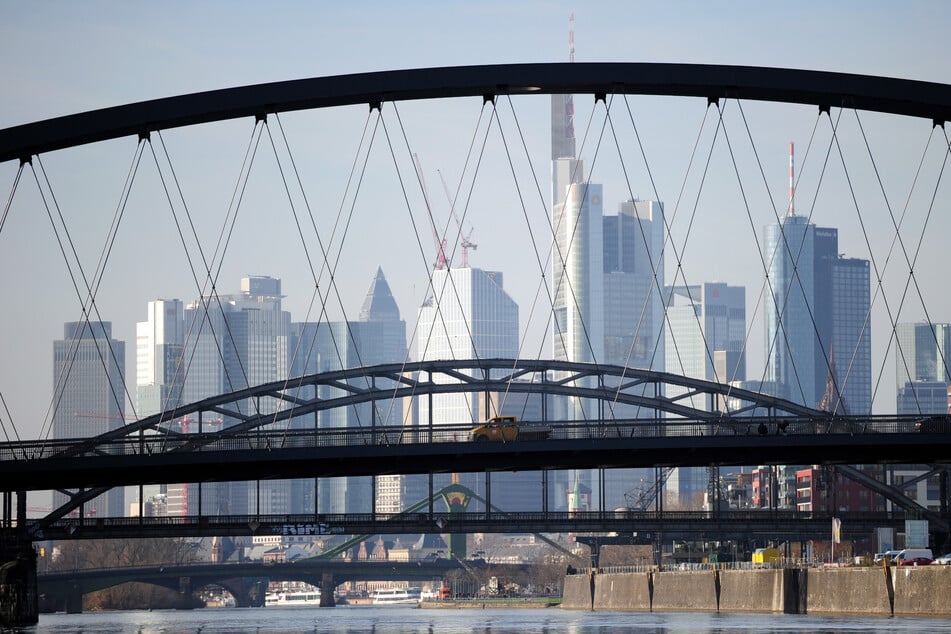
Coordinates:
<point>651,429</point>
<point>822,89</point>
<point>610,386</point>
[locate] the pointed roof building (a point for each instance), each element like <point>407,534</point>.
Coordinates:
<point>379,304</point>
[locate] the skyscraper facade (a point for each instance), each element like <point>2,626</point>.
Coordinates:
<point>922,367</point>
<point>705,340</point>
<point>633,243</point>
<point>818,323</point>
<point>234,342</point>
<point>89,395</point>
<point>159,368</point>
<point>468,315</point>
<point>377,337</point>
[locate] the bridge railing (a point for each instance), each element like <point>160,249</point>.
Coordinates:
<point>268,438</point>
<point>328,520</point>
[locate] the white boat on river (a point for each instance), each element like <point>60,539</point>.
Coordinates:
<point>397,596</point>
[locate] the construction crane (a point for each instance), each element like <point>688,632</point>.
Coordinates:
<point>441,262</point>
<point>464,241</point>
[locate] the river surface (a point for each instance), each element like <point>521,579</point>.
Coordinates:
<point>383,620</point>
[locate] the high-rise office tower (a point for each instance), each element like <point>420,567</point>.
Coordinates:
<point>705,340</point>
<point>89,395</point>
<point>923,367</point>
<point>818,326</point>
<point>633,243</point>
<point>468,315</point>
<point>849,347</point>
<point>577,263</point>
<point>159,369</point>
<point>632,313</point>
<point>234,342</point>
<point>159,364</point>
<point>377,337</point>
<point>607,277</point>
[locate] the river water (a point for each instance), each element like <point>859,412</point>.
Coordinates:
<point>384,620</point>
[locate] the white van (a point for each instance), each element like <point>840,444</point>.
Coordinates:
<point>913,556</point>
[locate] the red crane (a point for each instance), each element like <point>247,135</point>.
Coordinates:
<point>441,262</point>
<point>464,241</point>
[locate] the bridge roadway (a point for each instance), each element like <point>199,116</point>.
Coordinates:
<point>775,524</point>
<point>273,454</point>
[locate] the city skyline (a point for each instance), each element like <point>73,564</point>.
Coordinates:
<point>88,181</point>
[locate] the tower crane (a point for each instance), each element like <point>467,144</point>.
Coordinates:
<point>441,262</point>
<point>464,241</point>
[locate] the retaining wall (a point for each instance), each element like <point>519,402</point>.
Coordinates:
<point>685,591</point>
<point>921,591</point>
<point>623,591</point>
<point>576,593</point>
<point>848,591</point>
<point>751,591</point>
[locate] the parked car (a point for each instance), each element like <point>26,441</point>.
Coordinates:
<point>888,554</point>
<point>943,560</point>
<point>914,557</point>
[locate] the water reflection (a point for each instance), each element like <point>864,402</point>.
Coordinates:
<point>355,620</point>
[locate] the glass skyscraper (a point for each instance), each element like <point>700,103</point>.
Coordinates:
<point>234,342</point>
<point>705,340</point>
<point>159,369</point>
<point>923,367</point>
<point>377,337</point>
<point>468,315</point>
<point>89,396</point>
<point>818,324</point>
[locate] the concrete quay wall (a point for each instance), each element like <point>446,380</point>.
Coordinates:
<point>751,591</point>
<point>576,593</point>
<point>623,591</point>
<point>685,591</point>
<point>921,591</point>
<point>848,591</point>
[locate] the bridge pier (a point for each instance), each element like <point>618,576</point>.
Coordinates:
<point>74,600</point>
<point>19,599</point>
<point>327,587</point>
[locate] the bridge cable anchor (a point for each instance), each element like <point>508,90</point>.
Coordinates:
<point>713,101</point>
<point>376,105</point>
<point>488,98</point>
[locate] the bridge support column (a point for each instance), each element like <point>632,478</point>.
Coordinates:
<point>74,600</point>
<point>19,599</point>
<point>255,595</point>
<point>327,587</point>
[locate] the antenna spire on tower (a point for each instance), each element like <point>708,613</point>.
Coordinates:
<point>571,37</point>
<point>792,182</point>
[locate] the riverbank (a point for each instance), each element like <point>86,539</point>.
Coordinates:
<point>904,591</point>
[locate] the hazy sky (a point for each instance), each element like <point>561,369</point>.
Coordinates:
<point>59,58</point>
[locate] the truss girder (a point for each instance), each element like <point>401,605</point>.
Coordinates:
<point>614,383</point>
<point>897,497</point>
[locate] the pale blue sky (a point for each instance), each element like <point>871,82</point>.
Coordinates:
<point>58,58</point>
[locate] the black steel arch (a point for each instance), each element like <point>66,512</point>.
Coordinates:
<point>824,89</point>
<point>613,384</point>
